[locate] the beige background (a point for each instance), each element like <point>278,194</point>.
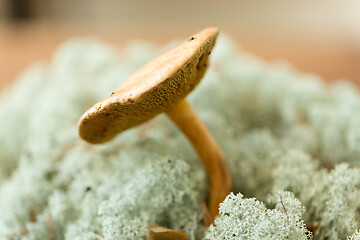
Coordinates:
<point>316,36</point>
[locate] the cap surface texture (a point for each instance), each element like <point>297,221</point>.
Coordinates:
<point>154,88</point>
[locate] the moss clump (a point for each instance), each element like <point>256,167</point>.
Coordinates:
<point>280,131</point>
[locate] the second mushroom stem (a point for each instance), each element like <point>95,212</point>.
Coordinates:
<point>211,154</point>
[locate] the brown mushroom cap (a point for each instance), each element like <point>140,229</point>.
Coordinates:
<point>154,88</point>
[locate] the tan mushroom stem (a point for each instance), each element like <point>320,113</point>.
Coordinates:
<point>213,158</point>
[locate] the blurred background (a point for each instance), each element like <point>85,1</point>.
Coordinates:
<point>316,36</point>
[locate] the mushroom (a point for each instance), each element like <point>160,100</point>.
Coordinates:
<point>159,86</point>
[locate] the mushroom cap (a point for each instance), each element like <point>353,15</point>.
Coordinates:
<point>154,88</point>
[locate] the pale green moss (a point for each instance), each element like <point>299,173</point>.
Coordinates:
<point>355,236</point>
<point>249,219</point>
<point>280,131</point>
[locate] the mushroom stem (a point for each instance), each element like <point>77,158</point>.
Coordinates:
<point>209,151</point>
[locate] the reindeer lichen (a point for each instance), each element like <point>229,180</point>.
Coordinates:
<point>286,135</point>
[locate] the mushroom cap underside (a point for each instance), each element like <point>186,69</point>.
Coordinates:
<point>154,88</point>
